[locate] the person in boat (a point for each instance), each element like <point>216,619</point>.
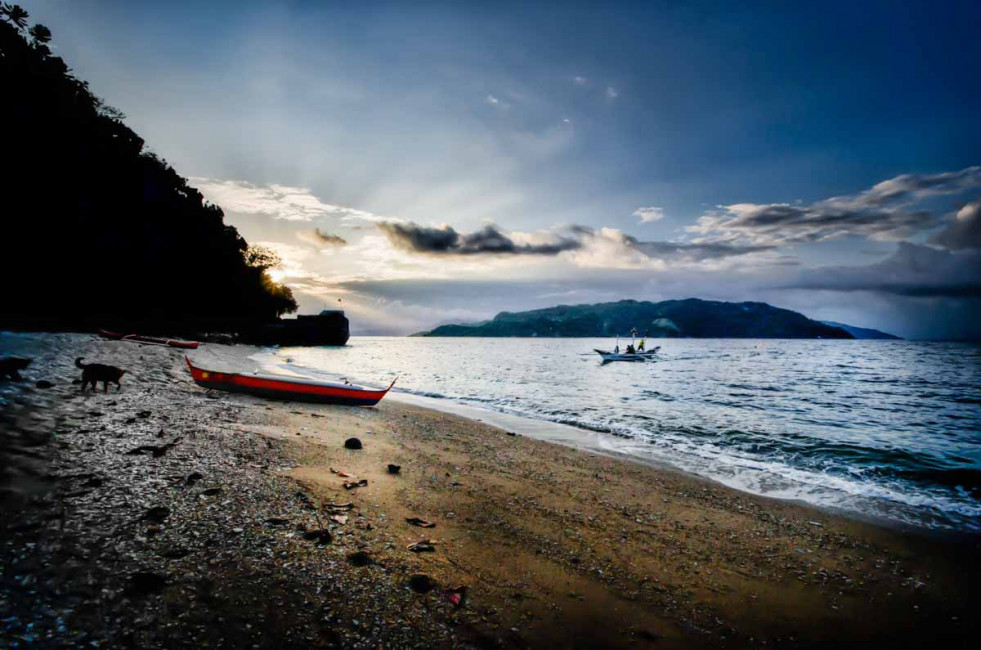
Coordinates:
<point>630,349</point>
<point>640,346</point>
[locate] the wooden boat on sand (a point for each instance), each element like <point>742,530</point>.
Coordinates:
<point>288,388</point>
<point>149,340</point>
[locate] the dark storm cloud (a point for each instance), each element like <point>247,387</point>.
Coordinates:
<point>697,252</point>
<point>878,213</point>
<point>907,187</point>
<point>913,270</point>
<point>781,224</point>
<point>318,238</point>
<point>445,240</point>
<point>491,240</point>
<point>964,230</point>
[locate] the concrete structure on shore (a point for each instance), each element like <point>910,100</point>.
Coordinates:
<point>329,327</point>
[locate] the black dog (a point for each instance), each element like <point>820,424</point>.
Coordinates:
<point>96,372</point>
<point>10,367</point>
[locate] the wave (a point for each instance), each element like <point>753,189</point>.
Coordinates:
<point>876,433</point>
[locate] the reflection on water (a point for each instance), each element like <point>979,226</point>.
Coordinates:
<point>887,428</point>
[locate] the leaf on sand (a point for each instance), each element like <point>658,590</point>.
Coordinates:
<point>421,523</point>
<point>422,546</point>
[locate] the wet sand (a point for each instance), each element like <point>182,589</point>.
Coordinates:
<point>557,547</point>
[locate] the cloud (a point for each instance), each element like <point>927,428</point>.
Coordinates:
<point>909,187</point>
<point>445,240</point>
<point>778,224</point>
<point>496,101</point>
<point>613,249</point>
<point>877,213</point>
<point>277,201</point>
<point>604,248</point>
<point>964,230</point>
<point>913,270</point>
<point>580,81</point>
<point>611,92</point>
<point>649,214</point>
<point>318,238</point>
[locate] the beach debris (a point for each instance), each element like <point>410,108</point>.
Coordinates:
<point>422,546</point>
<point>353,443</point>
<point>339,507</point>
<point>350,485</point>
<point>457,595</point>
<point>144,583</point>
<point>816,523</point>
<point>421,583</point>
<point>277,521</point>
<point>340,473</point>
<point>646,635</point>
<point>340,519</point>
<point>193,478</point>
<point>156,514</point>
<point>511,433</point>
<point>359,558</point>
<point>394,469</point>
<point>421,523</point>
<point>44,383</point>
<point>321,536</point>
<point>174,553</point>
<point>155,450</point>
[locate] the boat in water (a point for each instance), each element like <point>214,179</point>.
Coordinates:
<point>632,355</point>
<point>149,340</point>
<point>619,356</point>
<point>627,356</point>
<point>288,388</point>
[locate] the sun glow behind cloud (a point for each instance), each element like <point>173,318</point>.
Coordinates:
<point>340,249</point>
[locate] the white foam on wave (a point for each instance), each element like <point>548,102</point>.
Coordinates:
<point>767,475</point>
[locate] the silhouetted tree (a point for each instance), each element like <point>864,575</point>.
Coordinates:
<point>96,229</point>
<point>40,34</point>
<point>14,14</point>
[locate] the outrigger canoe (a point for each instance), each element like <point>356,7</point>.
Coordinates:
<point>174,343</point>
<point>627,356</point>
<point>288,388</point>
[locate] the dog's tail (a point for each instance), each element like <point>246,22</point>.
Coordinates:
<point>78,362</point>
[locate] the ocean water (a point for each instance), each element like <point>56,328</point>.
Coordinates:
<point>887,429</point>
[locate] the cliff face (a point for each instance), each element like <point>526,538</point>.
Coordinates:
<point>691,318</point>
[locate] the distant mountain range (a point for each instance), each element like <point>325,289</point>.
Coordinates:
<point>690,318</point>
<point>862,332</point>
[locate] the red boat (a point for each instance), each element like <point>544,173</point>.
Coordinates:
<point>174,343</point>
<point>289,388</point>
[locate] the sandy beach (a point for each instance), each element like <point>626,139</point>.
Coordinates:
<point>166,515</point>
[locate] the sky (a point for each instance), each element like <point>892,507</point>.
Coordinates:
<point>423,163</point>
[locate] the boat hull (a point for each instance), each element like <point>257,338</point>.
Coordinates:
<point>606,355</point>
<point>301,390</point>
